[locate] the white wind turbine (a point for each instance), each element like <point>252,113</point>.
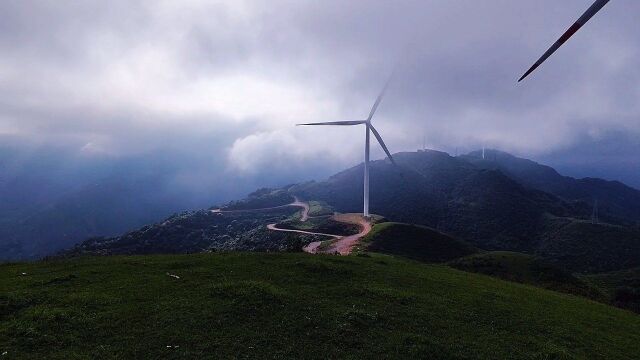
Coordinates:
<point>368,128</point>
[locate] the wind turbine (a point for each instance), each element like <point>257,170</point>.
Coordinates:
<point>368,128</point>
<point>597,6</point>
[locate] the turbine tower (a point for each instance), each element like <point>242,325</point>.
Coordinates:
<point>597,6</point>
<point>368,130</point>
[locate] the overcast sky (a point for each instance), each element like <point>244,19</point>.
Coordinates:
<point>230,78</point>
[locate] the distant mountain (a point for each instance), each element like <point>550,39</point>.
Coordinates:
<point>449,194</point>
<point>615,200</point>
<point>107,209</point>
<point>517,205</point>
<point>52,198</point>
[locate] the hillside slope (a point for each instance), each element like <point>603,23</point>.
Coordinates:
<point>623,287</point>
<point>201,231</point>
<point>244,305</point>
<point>414,242</point>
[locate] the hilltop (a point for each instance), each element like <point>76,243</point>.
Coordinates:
<point>244,305</point>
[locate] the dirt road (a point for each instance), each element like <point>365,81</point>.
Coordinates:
<point>296,202</point>
<point>339,244</point>
<point>274,227</point>
<point>343,245</point>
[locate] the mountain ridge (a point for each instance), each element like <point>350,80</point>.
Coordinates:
<point>618,200</point>
<point>478,204</point>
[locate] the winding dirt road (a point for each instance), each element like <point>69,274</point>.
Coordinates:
<point>304,206</point>
<point>342,245</point>
<point>274,227</point>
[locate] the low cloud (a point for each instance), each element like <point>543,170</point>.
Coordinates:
<point>231,78</point>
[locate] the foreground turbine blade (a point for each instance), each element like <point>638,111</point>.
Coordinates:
<point>341,123</point>
<point>599,4</point>
<point>384,147</point>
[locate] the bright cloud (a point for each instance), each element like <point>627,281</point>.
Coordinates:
<point>231,78</point>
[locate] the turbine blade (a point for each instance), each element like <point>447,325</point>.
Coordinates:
<point>341,123</point>
<point>379,98</point>
<point>599,4</point>
<point>384,147</point>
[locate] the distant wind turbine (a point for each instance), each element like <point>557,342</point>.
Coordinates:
<point>597,6</point>
<point>368,128</point>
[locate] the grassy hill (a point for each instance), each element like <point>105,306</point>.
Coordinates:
<point>415,242</point>
<point>247,305</point>
<point>527,269</point>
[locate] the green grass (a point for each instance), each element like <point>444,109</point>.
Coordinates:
<point>415,242</point>
<point>527,269</point>
<point>320,208</point>
<point>250,305</point>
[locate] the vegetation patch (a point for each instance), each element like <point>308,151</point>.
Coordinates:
<point>320,208</point>
<point>622,287</point>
